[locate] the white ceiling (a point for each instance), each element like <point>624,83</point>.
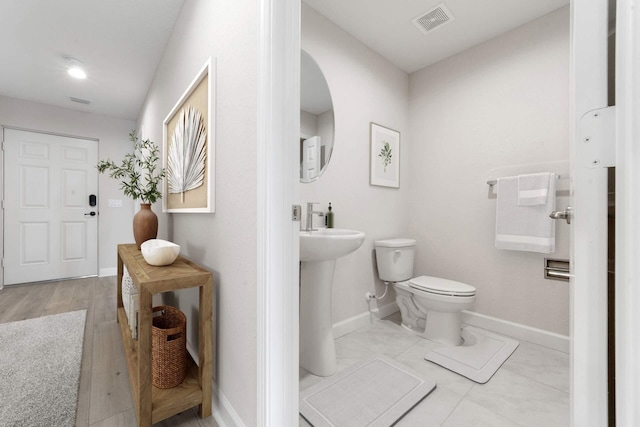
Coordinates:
<point>120,42</point>
<point>385,25</point>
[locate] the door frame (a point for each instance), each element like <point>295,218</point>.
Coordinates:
<point>588,353</point>
<point>277,249</point>
<point>278,152</point>
<point>2,159</point>
<point>627,212</point>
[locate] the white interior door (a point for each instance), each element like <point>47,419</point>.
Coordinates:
<point>49,231</point>
<point>310,158</point>
<point>591,153</point>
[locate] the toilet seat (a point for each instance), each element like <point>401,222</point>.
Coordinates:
<point>439,286</point>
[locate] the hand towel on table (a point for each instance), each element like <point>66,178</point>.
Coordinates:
<point>533,189</point>
<point>524,228</point>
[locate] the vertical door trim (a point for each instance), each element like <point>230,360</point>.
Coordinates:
<point>589,32</point>
<point>277,190</point>
<point>2,207</point>
<point>627,213</point>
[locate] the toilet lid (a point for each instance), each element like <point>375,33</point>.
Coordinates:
<point>440,286</point>
<point>395,243</point>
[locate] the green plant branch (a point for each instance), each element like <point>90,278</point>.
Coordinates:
<point>144,157</point>
<point>385,154</point>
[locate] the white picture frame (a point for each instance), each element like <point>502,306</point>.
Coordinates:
<point>198,200</point>
<point>384,156</point>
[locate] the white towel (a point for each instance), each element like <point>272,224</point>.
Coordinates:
<point>524,228</point>
<point>533,189</point>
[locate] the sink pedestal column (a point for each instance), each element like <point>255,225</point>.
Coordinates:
<point>317,347</point>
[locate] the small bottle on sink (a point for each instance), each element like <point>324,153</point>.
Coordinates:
<point>328,218</point>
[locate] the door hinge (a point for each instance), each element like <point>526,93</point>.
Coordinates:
<point>296,213</point>
<point>597,132</point>
<point>2,262</point>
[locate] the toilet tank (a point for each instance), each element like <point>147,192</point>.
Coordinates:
<point>395,259</point>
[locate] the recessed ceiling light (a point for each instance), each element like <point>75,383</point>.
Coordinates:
<point>75,68</point>
<point>78,73</point>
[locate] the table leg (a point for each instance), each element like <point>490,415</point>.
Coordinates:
<point>205,352</point>
<point>119,286</point>
<point>144,356</point>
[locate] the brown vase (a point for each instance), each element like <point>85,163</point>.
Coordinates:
<point>145,225</point>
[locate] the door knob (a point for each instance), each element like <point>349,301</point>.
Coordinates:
<point>566,214</point>
<point>92,213</point>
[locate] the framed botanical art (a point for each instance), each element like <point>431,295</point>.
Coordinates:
<point>385,156</point>
<point>189,147</point>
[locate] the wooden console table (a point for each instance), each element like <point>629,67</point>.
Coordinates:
<point>154,404</point>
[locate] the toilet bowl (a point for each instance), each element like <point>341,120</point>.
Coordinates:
<point>434,312</point>
<point>430,306</point>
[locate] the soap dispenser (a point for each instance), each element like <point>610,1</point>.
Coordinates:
<point>328,218</point>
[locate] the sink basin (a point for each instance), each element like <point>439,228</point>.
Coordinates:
<point>328,243</point>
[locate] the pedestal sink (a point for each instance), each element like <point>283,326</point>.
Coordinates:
<point>318,253</point>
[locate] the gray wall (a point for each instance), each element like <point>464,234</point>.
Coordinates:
<point>499,104</point>
<point>502,103</point>
<point>223,242</point>
<point>365,88</point>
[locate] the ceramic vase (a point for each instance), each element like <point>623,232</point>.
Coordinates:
<point>145,224</point>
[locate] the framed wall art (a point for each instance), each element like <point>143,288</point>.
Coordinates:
<point>385,156</point>
<point>189,147</point>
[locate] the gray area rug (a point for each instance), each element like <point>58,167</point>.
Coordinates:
<point>376,393</point>
<point>480,356</point>
<point>40,369</point>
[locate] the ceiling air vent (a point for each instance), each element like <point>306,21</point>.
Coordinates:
<point>434,18</point>
<point>80,100</point>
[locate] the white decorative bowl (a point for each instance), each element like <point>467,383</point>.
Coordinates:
<point>159,252</point>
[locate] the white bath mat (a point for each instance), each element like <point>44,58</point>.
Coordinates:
<point>478,358</point>
<point>376,392</point>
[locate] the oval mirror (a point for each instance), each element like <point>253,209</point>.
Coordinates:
<point>316,120</point>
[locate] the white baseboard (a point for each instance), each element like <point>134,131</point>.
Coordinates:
<point>221,408</point>
<point>361,320</point>
<point>223,411</point>
<point>105,272</point>
<point>516,330</point>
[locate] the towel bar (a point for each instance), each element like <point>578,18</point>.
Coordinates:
<point>493,182</point>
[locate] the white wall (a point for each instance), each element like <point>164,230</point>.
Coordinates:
<point>502,103</point>
<point>224,242</point>
<point>113,136</point>
<point>308,124</point>
<point>365,88</point>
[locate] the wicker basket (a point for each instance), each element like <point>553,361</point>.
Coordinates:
<point>168,351</point>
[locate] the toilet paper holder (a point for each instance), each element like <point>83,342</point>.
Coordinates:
<point>557,269</point>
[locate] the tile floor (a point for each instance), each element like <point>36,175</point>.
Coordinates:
<point>530,389</point>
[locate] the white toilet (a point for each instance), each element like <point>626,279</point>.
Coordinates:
<point>430,306</point>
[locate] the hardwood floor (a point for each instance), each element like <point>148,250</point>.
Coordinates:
<point>104,397</point>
